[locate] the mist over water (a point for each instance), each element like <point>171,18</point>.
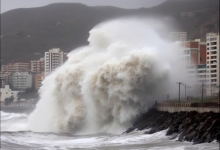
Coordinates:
<point>104,86</point>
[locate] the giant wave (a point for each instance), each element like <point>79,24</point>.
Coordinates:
<point>104,86</point>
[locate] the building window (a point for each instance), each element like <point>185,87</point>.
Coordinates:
<point>214,43</point>
<point>213,48</point>
<point>212,39</point>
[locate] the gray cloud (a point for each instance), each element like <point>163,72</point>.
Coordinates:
<point>13,4</point>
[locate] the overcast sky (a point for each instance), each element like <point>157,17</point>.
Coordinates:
<point>13,4</point>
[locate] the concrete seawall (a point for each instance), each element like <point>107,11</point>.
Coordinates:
<point>172,107</point>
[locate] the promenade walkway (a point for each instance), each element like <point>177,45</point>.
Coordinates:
<point>171,106</point>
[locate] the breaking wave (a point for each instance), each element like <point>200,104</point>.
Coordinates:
<point>104,86</point>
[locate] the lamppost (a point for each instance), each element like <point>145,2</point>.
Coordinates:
<point>179,89</point>
<point>202,92</point>
<point>186,86</point>
<point>203,85</point>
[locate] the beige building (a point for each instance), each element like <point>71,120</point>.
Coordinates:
<point>37,66</point>
<point>38,80</point>
<point>16,67</point>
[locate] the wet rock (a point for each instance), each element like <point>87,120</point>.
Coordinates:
<point>173,136</point>
<point>130,130</point>
<point>191,136</point>
<point>189,126</point>
<point>181,137</point>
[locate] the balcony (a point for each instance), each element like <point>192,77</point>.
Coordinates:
<point>214,48</point>
<point>213,62</point>
<point>213,43</point>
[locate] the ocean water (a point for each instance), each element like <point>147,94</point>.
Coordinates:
<point>14,136</point>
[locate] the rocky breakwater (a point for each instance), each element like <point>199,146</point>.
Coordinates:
<point>186,126</point>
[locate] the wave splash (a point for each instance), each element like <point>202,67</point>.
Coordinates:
<point>104,86</point>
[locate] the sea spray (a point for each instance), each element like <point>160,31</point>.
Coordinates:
<point>104,86</point>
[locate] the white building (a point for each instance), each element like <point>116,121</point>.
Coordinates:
<point>21,80</point>
<point>213,63</point>
<point>201,74</point>
<point>6,92</point>
<point>178,36</point>
<point>53,59</point>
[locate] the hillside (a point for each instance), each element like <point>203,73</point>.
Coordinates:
<point>25,32</point>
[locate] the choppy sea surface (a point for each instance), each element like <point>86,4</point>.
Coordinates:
<point>13,138</point>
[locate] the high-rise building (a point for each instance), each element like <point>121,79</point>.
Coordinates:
<point>178,36</point>
<point>213,63</point>
<point>21,80</point>
<point>37,66</point>
<point>53,59</point>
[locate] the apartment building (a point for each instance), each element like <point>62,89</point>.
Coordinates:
<point>195,59</point>
<point>6,92</point>
<point>21,80</point>
<point>38,80</point>
<point>213,63</point>
<point>16,67</point>
<point>4,79</point>
<point>8,68</point>
<point>178,36</point>
<point>53,59</point>
<point>37,66</point>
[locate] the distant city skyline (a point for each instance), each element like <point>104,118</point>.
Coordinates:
<point>7,5</point>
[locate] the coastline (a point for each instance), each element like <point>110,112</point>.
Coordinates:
<point>189,126</point>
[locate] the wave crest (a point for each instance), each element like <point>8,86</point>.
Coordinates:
<point>103,87</point>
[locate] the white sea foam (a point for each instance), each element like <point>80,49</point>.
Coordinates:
<point>13,121</point>
<point>8,116</point>
<point>104,86</point>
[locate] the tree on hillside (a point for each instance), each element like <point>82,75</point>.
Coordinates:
<point>8,101</point>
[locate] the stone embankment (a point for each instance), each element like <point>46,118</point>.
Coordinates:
<point>186,126</point>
